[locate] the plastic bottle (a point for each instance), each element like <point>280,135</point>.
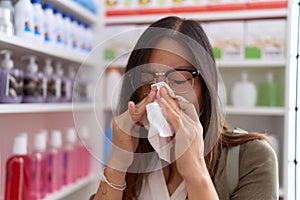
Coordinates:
<point>6,17</point>
<point>11,80</point>
<point>38,166</point>
<point>55,162</point>
<point>270,93</point>
<point>81,36</point>
<point>58,29</point>
<point>38,20</point>
<point>70,157</point>
<point>244,92</point>
<point>113,87</point>
<point>53,83</point>
<point>18,168</point>
<point>34,82</point>
<point>74,34</point>
<point>24,19</point>
<point>49,25</point>
<point>72,76</point>
<point>67,31</point>
<point>66,84</point>
<point>84,155</point>
<point>89,38</point>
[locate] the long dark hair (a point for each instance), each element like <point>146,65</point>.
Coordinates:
<point>192,37</point>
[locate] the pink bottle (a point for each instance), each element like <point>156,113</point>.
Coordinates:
<point>84,155</point>
<point>70,157</point>
<point>54,162</point>
<point>17,183</point>
<point>38,167</point>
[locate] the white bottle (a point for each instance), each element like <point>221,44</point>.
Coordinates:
<point>244,92</point>
<point>53,82</point>
<point>82,36</point>
<point>89,38</point>
<point>113,88</point>
<point>6,17</point>
<point>38,20</point>
<point>74,34</point>
<point>49,25</point>
<point>58,29</point>
<point>67,31</point>
<point>24,19</point>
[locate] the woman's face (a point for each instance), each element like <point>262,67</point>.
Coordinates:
<point>162,60</point>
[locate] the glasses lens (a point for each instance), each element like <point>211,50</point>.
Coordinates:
<point>180,81</point>
<point>140,78</point>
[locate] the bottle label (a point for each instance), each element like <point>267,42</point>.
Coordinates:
<point>14,86</point>
<point>27,26</point>
<point>66,89</point>
<point>81,90</point>
<point>33,86</point>
<point>51,88</point>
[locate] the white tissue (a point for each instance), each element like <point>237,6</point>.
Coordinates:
<point>160,133</point>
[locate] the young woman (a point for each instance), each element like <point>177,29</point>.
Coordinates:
<point>177,52</point>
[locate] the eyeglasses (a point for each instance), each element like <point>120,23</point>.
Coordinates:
<point>179,80</point>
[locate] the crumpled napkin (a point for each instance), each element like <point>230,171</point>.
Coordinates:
<point>160,132</point>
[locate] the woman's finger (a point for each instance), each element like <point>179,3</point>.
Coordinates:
<point>138,111</point>
<point>173,102</point>
<point>172,116</point>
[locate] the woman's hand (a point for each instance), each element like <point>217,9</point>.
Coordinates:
<point>189,145</point>
<point>126,132</point>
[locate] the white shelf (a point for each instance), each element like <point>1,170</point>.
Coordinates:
<point>226,64</point>
<point>67,190</point>
<point>200,16</point>
<point>43,107</point>
<point>21,47</point>
<point>251,63</point>
<point>260,111</point>
<point>75,10</point>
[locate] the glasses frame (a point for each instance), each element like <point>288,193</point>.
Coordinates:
<point>194,73</point>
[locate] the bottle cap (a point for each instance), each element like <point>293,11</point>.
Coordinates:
<point>244,77</point>
<point>20,144</point>
<point>48,69</point>
<point>40,141</point>
<point>7,63</point>
<point>270,77</point>
<point>84,132</point>
<point>32,66</point>
<point>71,72</point>
<point>47,6</point>
<point>57,11</point>
<point>56,139</point>
<point>36,1</point>
<point>71,135</point>
<point>58,69</point>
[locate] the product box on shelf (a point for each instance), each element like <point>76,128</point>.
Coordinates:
<point>229,44</point>
<point>265,39</point>
<point>121,7</point>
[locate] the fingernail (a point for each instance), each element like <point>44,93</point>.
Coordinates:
<point>163,90</point>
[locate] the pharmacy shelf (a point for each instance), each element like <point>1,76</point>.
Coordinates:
<point>74,9</point>
<point>225,64</point>
<point>21,47</point>
<point>67,190</point>
<point>43,107</point>
<point>259,111</point>
<point>251,63</point>
<point>200,16</point>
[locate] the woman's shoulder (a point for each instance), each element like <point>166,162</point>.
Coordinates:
<point>257,153</point>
